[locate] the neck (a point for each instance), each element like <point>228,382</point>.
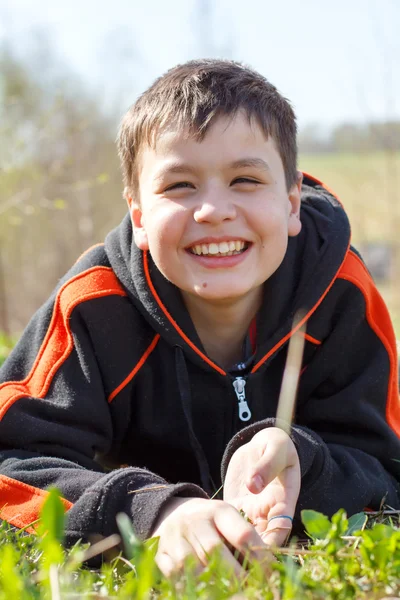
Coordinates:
<point>222,326</point>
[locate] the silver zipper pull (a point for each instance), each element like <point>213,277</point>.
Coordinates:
<point>244,410</point>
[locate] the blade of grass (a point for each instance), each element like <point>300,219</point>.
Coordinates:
<point>54,583</point>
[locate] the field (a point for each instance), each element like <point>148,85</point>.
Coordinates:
<point>368,186</point>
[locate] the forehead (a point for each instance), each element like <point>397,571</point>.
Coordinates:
<point>228,140</point>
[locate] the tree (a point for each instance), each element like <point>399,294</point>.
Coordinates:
<point>60,188</point>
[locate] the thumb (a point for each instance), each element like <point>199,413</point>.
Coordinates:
<point>273,461</point>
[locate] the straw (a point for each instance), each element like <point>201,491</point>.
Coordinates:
<point>291,375</point>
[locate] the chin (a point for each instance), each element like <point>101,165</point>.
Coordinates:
<point>219,295</point>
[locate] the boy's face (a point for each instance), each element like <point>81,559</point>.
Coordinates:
<point>215,214</point>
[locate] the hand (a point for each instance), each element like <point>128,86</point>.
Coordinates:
<point>196,526</point>
<point>263,479</point>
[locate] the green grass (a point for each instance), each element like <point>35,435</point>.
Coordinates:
<point>343,559</point>
<point>6,345</point>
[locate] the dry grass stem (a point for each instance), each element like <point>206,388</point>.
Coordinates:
<point>102,546</point>
<point>54,583</point>
<point>149,489</point>
<point>127,562</point>
<point>291,375</point>
<point>376,513</point>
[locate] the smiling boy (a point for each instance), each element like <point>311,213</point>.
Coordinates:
<point>216,217</point>
<point>163,350</point>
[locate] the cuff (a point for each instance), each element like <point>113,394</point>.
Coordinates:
<point>309,447</point>
<point>137,492</point>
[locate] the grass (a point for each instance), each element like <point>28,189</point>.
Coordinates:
<point>343,559</point>
<point>6,345</point>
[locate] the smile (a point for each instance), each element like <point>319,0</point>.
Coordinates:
<point>229,248</point>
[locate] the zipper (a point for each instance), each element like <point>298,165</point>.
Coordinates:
<point>239,384</point>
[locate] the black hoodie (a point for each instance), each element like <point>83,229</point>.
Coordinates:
<point>110,384</point>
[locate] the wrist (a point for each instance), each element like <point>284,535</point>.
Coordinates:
<point>167,509</point>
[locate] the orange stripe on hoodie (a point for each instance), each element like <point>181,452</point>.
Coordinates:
<point>137,368</point>
<point>172,321</point>
<point>319,182</point>
<point>57,345</point>
<point>378,318</point>
<point>20,504</point>
<point>311,339</point>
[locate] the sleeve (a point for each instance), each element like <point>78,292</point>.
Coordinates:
<point>55,421</point>
<point>347,423</point>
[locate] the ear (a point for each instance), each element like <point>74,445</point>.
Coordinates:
<point>139,232</point>
<point>294,223</point>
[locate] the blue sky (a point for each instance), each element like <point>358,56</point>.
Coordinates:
<point>336,61</point>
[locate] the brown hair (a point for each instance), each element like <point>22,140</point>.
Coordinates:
<point>191,96</point>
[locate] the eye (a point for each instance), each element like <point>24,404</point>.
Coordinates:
<point>244,180</point>
<point>179,185</point>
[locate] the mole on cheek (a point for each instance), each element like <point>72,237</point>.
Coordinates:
<point>205,284</point>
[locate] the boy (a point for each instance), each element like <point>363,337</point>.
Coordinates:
<point>161,353</point>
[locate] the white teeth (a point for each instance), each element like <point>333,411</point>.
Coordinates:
<point>223,248</point>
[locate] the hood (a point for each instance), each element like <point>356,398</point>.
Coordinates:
<point>311,263</point>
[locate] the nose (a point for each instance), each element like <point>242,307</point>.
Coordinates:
<point>214,208</point>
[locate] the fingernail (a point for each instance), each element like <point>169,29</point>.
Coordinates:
<point>257,483</point>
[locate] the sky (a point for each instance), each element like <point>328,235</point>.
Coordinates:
<point>336,61</point>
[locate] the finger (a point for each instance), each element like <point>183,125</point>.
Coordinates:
<point>276,537</point>
<point>171,562</point>
<point>266,469</point>
<point>165,564</point>
<point>231,562</point>
<point>279,455</point>
<point>277,530</point>
<point>240,534</point>
<point>207,541</point>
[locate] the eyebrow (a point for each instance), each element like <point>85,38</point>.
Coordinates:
<point>257,163</point>
<point>242,163</point>
<point>174,168</point>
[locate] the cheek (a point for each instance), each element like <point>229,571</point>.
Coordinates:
<point>271,220</point>
<point>164,227</point>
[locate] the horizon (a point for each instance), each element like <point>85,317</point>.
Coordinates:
<point>329,80</point>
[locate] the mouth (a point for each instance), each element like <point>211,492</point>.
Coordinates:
<point>216,250</point>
